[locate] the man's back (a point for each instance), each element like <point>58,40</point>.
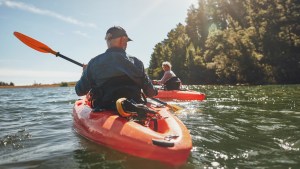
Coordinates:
<point>103,72</point>
<point>114,63</point>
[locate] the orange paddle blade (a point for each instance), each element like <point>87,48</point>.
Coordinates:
<point>171,106</point>
<point>34,44</point>
<point>174,107</point>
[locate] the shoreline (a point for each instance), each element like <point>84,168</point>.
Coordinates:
<point>37,86</point>
<point>29,86</point>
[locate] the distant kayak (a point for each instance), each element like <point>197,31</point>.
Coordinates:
<point>180,95</point>
<point>160,137</point>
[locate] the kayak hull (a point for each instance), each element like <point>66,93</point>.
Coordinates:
<point>180,95</point>
<point>168,142</point>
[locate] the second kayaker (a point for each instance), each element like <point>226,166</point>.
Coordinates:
<point>114,74</point>
<point>169,81</point>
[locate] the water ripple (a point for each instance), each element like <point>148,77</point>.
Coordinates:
<point>235,127</point>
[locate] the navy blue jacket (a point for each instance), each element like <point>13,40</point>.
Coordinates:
<point>114,63</point>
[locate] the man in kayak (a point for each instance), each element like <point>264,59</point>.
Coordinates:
<point>169,81</point>
<point>114,74</point>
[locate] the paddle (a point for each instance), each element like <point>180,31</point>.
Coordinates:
<point>173,107</point>
<point>39,46</point>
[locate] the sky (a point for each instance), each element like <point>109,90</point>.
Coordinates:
<point>76,29</point>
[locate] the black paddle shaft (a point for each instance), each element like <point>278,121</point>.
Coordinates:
<point>68,59</point>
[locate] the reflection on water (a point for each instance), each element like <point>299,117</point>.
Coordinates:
<point>248,127</point>
<point>92,155</point>
<point>235,127</point>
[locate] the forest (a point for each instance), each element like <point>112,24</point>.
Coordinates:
<point>6,84</point>
<point>234,42</point>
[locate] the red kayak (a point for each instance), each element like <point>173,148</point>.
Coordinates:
<point>161,136</point>
<point>180,95</point>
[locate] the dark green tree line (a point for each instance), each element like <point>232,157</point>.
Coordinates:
<point>234,41</point>
<point>6,84</point>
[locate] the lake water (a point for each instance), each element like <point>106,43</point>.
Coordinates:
<point>235,127</point>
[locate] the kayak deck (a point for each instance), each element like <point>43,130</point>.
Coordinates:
<point>164,139</point>
<point>180,95</point>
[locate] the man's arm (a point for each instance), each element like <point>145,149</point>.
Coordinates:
<point>83,85</point>
<point>148,88</point>
<point>165,78</point>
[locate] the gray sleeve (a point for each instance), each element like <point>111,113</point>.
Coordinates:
<point>165,78</point>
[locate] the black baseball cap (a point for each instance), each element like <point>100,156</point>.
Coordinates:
<point>115,32</point>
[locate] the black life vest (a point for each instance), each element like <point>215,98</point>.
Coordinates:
<point>173,84</point>
<point>107,94</point>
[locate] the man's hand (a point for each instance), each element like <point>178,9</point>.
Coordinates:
<point>84,67</point>
<point>154,82</point>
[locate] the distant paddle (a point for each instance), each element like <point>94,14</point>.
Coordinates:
<point>173,107</point>
<point>39,46</point>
